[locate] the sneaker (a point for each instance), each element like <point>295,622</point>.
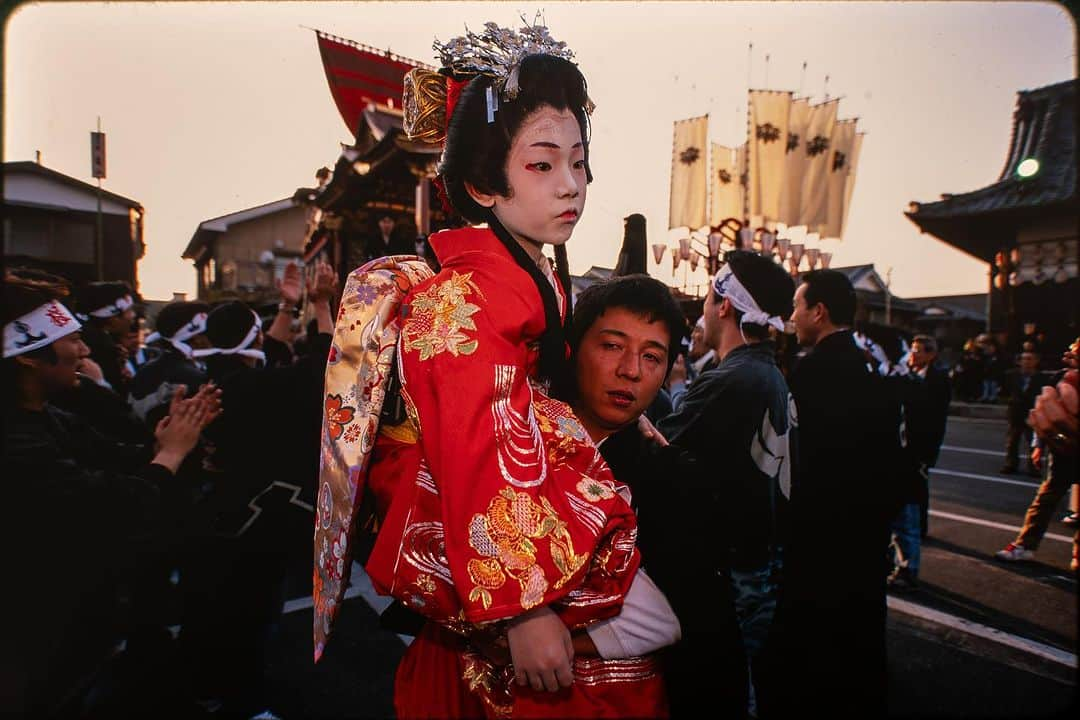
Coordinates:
<point>902,580</point>
<point>1014,552</point>
<point>1069,519</point>
<point>1008,470</point>
<point>1072,565</point>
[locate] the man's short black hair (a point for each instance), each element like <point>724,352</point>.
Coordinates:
<point>768,283</point>
<point>640,294</point>
<point>176,315</point>
<point>832,289</point>
<point>928,342</point>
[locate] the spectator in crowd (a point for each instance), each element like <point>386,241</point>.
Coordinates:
<point>388,239</point>
<point>134,344</point>
<point>925,395</point>
<point>967,373</point>
<point>92,398</point>
<point>258,513</point>
<point>1023,384</point>
<point>991,368</point>
<point>108,312</point>
<point>627,334</point>
<point>1061,470</point>
<point>71,489</point>
<point>699,357</point>
<point>832,605</point>
<point>179,333</point>
<point>734,420</point>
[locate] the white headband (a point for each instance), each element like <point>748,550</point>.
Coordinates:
<point>242,348</point>
<point>727,285</point>
<point>40,327</point>
<point>114,308</point>
<point>195,326</point>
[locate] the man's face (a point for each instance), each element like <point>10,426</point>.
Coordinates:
<point>118,325</point>
<point>132,339</point>
<point>805,319</point>
<point>920,356</point>
<point>697,341</point>
<point>386,225</point>
<point>1028,362</point>
<point>61,375</point>
<point>545,168</point>
<point>620,366</point>
<point>711,314</point>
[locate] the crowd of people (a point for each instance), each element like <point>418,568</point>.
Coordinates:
<point>155,464</point>
<point>573,516</point>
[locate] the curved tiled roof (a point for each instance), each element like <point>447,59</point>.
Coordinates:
<point>1044,128</point>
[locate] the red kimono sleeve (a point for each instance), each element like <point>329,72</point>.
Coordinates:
<point>509,486</point>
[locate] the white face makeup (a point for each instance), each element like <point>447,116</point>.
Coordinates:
<point>546,172</point>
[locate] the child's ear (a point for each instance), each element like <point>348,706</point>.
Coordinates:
<point>481,199</point>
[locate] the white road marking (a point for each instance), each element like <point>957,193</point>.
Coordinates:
<point>1047,652</point>
<point>977,451</point>
<point>361,586</point>
<point>991,523</point>
<point>986,478</point>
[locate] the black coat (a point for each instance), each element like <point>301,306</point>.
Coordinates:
<point>1022,391</point>
<point>105,411</point>
<point>679,531</point>
<point>734,421</point>
<point>852,472</point>
<point>926,406</point>
<point>77,509</point>
<point>266,443</point>
<point>155,382</point>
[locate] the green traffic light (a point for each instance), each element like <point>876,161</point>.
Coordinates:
<point>1027,168</point>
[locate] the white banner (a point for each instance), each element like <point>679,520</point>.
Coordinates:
<point>727,196</point>
<point>795,161</point>
<point>843,142</point>
<point>689,166</point>
<point>849,184</point>
<point>767,141</point>
<point>816,148</point>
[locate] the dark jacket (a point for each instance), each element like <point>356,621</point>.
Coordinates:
<point>1022,391</point>
<point>734,421</point>
<point>77,508</point>
<point>266,445</point>
<point>926,406</point>
<point>848,490</point>
<point>678,502</point>
<point>105,411</point>
<point>399,244</point>
<point>155,382</point>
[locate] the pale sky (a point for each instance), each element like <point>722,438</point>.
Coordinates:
<point>213,108</point>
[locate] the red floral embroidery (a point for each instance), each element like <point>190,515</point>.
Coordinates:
<point>337,417</point>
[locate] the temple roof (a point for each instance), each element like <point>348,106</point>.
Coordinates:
<point>1044,128</point>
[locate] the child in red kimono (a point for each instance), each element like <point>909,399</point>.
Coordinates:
<point>499,521</point>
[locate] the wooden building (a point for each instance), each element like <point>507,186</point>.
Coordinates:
<point>1024,226</point>
<point>240,254</point>
<point>50,223</point>
<point>381,173</point>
